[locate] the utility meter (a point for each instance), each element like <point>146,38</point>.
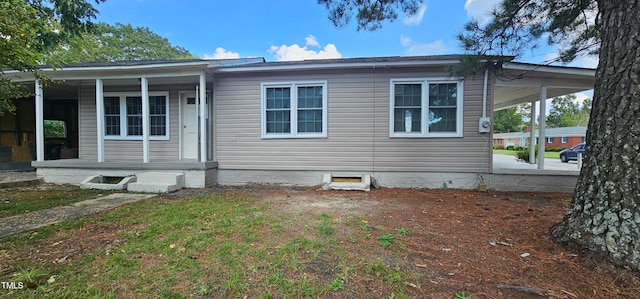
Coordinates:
<point>484,125</point>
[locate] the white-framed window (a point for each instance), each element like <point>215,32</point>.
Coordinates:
<point>563,139</point>
<point>426,107</point>
<point>549,139</point>
<point>123,116</point>
<point>294,109</point>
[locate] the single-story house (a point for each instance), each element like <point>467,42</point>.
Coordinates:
<point>405,121</point>
<point>555,137</point>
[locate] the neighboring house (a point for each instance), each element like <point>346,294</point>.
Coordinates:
<point>403,120</point>
<point>554,137</point>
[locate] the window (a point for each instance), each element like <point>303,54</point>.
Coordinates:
<point>294,110</point>
<point>563,139</point>
<point>426,108</point>
<point>549,139</point>
<point>123,116</point>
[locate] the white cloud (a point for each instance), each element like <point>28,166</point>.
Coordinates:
<point>311,41</point>
<point>295,52</point>
<point>417,18</point>
<point>413,48</point>
<point>222,53</point>
<point>480,9</point>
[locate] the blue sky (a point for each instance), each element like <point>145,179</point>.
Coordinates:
<point>299,29</point>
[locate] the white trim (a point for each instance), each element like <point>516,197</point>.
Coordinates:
<point>203,129</point>
<point>424,127</point>
<point>144,85</point>
<point>549,68</point>
<point>542,126</point>
<point>305,66</point>
<point>293,109</point>
<point>39,121</point>
<point>123,115</point>
<point>564,139</point>
<point>100,118</point>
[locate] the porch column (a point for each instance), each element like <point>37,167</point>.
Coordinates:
<point>542,123</point>
<point>203,128</point>
<point>100,118</point>
<point>145,119</point>
<point>532,134</point>
<point>39,121</point>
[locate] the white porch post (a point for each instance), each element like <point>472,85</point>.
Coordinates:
<point>532,134</point>
<point>203,128</point>
<point>145,119</point>
<point>39,121</point>
<point>542,123</point>
<point>100,119</point>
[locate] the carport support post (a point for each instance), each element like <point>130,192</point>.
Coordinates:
<point>532,134</point>
<point>39,121</point>
<point>542,123</point>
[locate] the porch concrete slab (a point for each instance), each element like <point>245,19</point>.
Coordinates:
<point>34,220</point>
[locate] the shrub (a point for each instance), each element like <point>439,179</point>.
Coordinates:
<point>523,155</point>
<point>519,148</point>
<point>510,147</point>
<point>499,147</point>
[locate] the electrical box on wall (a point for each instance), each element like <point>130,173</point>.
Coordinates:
<point>484,125</point>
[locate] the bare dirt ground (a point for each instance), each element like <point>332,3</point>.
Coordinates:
<point>490,245</point>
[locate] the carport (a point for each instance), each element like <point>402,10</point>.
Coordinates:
<point>519,83</point>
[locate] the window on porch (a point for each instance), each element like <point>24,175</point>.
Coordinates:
<point>123,116</point>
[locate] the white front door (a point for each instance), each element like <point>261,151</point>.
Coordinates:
<point>189,126</point>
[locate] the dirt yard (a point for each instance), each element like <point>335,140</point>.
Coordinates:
<point>489,245</point>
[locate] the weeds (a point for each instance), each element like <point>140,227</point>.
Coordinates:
<point>386,239</point>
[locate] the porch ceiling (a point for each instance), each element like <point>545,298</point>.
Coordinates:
<point>519,83</point>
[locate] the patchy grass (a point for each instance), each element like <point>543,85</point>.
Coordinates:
<point>16,201</point>
<point>229,246</point>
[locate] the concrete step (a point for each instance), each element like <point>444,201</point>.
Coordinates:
<point>157,182</point>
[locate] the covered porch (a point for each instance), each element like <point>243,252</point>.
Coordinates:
<point>133,118</point>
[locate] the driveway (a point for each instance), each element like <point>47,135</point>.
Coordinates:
<point>510,162</point>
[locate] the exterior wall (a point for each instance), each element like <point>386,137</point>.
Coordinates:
<point>128,150</point>
<point>358,127</point>
<point>571,141</point>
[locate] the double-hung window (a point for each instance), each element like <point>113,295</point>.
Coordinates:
<point>426,108</point>
<point>294,110</point>
<point>123,116</point>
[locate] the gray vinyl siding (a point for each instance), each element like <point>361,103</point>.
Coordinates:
<point>127,150</point>
<point>358,127</point>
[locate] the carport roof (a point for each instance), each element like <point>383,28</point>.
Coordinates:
<point>518,83</point>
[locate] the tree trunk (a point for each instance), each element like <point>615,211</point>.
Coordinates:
<point>605,214</point>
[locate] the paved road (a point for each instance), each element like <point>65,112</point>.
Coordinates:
<point>510,162</point>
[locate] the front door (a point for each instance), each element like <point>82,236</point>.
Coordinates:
<point>189,126</point>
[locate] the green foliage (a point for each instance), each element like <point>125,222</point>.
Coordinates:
<point>30,29</point>
<point>54,129</point>
<point>336,284</point>
<point>369,14</point>
<point>386,239</point>
<point>566,112</point>
<point>403,231</point>
<point>507,120</point>
<point>461,295</point>
<point>119,42</point>
<point>523,154</point>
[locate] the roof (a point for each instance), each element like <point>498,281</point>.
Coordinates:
<point>352,62</point>
<point>549,132</point>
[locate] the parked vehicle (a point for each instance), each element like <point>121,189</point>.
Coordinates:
<point>572,153</point>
